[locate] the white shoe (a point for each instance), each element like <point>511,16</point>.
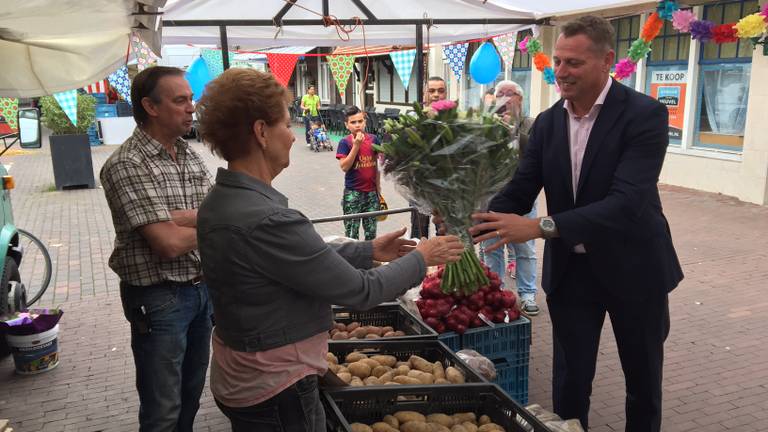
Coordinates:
<point>529,306</point>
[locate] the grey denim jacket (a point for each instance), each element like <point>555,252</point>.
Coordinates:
<point>272,278</point>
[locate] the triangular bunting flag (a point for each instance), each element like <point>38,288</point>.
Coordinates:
<point>100,86</point>
<point>9,108</point>
<point>68,102</point>
<point>457,56</point>
<point>144,56</point>
<point>282,66</point>
<point>403,61</point>
<point>506,45</point>
<point>341,67</point>
<point>213,60</point>
<point>120,81</point>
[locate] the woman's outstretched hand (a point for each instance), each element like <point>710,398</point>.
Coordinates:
<point>440,250</point>
<point>390,246</point>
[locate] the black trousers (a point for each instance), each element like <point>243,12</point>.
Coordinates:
<point>640,324</point>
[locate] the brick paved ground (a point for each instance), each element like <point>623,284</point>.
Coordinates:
<point>716,375</point>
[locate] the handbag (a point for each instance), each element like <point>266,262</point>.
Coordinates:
<point>382,206</point>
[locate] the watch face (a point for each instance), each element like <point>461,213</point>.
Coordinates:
<point>547,224</point>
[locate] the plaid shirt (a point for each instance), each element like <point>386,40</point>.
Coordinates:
<point>142,185</point>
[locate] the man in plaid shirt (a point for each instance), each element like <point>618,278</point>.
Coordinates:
<point>154,184</point>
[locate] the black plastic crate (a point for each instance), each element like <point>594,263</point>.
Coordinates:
<point>429,350</point>
<point>371,405</point>
<point>387,314</point>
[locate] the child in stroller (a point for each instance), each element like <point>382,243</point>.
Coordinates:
<point>319,137</point>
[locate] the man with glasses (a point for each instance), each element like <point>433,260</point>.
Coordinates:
<point>154,184</point>
<point>521,257</point>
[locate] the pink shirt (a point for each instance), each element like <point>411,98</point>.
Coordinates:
<point>241,379</point>
<point>579,129</point>
<point>578,133</point>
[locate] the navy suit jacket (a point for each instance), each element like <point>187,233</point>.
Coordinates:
<point>617,212</point>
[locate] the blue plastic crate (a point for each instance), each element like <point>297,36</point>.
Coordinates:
<point>512,377</point>
<point>93,135</point>
<point>106,110</point>
<point>504,340</point>
<point>101,98</point>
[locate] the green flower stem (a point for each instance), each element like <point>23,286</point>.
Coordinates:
<point>464,276</point>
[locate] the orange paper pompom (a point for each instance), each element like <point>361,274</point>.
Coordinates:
<point>652,27</point>
<point>541,61</point>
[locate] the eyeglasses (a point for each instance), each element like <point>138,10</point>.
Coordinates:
<point>436,90</point>
<point>508,94</point>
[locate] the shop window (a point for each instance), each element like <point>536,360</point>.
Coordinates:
<point>627,30</point>
<point>389,89</point>
<point>723,89</point>
<point>325,83</point>
<point>666,76</point>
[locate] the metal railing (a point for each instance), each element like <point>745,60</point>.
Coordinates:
<point>363,215</point>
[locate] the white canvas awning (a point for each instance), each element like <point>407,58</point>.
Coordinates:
<point>49,46</point>
<point>214,11</point>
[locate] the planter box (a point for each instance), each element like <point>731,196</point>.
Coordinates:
<point>72,163</point>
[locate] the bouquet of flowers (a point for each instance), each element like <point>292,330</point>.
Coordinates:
<point>452,162</point>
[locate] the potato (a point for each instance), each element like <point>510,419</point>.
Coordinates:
<point>352,326</point>
<point>370,362</point>
<point>374,330</point>
<point>356,382</point>
<point>387,329</point>
<point>454,375</point>
<point>415,426</point>
<point>388,334</point>
<point>386,377</point>
<point>484,419</point>
<point>334,368</point>
<point>440,418</point>
<point>420,364</point>
<point>399,333</point>
<point>360,370</point>
<point>385,360</point>
<point>490,427</point>
<point>437,427</point>
<point>465,417</point>
<point>380,370</point>
<point>372,336</point>
<point>354,356</point>
<point>406,380</point>
<point>391,383</point>
<point>383,427</point>
<point>371,380</point>
<point>442,381</point>
<point>340,336</point>
<point>406,416</point>
<point>339,326</point>
<point>423,377</point>
<point>392,421</point>
<point>342,368</point>
<point>345,376</point>
<point>458,428</point>
<point>358,333</point>
<point>359,427</point>
<point>438,370</point>
<point>402,370</point>
<point>469,426</point>
<point>331,358</point>
<point>333,332</point>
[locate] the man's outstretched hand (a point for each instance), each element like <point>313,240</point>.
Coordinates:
<point>388,247</point>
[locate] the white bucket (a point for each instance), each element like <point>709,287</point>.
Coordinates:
<point>37,353</point>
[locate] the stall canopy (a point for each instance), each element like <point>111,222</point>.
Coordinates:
<point>387,22</point>
<point>48,46</point>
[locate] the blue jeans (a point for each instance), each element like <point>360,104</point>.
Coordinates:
<point>295,409</point>
<point>170,339</point>
<point>523,253</point>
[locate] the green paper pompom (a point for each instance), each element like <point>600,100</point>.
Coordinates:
<point>639,49</point>
<point>534,46</point>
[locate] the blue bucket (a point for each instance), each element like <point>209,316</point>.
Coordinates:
<point>36,353</point>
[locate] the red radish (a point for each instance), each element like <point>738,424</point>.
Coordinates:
<point>440,327</point>
<point>507,299</point>
<point>476,322</point>
<point>499,317</point>
<point>432,322</point>
<point>514,314</point>
<point>461,329</point>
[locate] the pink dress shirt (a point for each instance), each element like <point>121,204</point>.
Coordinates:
<point>241,379</point>
<point>579,129</point>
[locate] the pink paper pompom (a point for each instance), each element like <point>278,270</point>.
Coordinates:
<point>682,19</point>
<point>625,68</point>
<point>764,12</point>
<point>523,45</point>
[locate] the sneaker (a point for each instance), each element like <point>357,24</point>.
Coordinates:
<point>529,306</point>
<point>511,267</point>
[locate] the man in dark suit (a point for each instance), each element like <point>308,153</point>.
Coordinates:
<point>597,153</point>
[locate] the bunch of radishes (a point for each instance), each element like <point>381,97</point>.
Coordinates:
<point>459,312</point>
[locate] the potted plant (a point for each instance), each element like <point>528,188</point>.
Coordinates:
<point>70,148</point>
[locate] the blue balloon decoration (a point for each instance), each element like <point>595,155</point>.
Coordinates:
<point>198,76</point>
<point>485,65</point>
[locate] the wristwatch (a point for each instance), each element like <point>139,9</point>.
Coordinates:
<point>548,228</point>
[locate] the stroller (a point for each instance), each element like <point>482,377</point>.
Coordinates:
<point>319,138</point>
